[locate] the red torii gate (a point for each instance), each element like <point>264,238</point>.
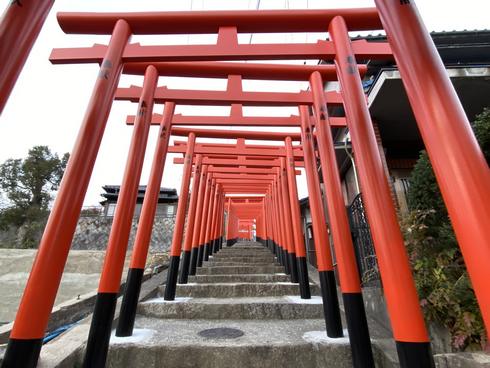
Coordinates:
<point>350,279</point>
<point>464,187</point>
<point>321,237</point>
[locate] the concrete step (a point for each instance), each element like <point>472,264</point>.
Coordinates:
<point>244,247</point>
<point>262,257</point>
<point>285,307</point>
<point>236,270</point>
<point>243,254</point>
<point>209,279</point>
<point>259,259</point>
<point>264,344</point>
<point>230,263</point>
<point>227,290</point>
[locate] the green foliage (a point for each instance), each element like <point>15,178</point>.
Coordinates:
<point>28,185</point>
<point>444,287</point>
<point>442,282</point>
<point>424,194</point>
<point>481,127</point>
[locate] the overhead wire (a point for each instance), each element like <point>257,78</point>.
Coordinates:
<point>257,7</point>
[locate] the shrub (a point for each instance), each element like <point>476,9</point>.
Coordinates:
<point>440,275</point>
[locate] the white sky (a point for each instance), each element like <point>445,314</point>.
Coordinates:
<point>49,101</point>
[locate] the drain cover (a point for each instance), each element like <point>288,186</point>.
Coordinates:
<point>221,333</point>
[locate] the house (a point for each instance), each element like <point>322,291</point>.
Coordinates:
<point>167,201</point>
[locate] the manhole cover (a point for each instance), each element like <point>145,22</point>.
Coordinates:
<point>221,333</point>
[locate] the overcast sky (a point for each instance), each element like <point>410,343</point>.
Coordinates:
<point>49,101</point>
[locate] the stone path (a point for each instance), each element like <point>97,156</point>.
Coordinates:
<point>240,310</point>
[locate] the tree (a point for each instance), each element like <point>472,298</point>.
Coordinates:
<point>28,185</point>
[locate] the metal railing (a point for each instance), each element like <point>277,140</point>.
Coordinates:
<point>363,243</point>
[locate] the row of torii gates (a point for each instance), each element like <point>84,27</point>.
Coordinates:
<point>263,174</point>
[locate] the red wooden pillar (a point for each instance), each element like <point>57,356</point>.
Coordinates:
<point>203,183</point>
<point>176,247</point>
<point>260,233</point>
<point>267,228</point>
<point>210,223</point>
<point>219,216</point>
<point>459,165</point>
<point>40,292</point>
<point>299,241</point>
<point>279,228</point>
<point>20,25</point>
<point>191,218</point>
<point>205,221</point>
<point>401,297</point>
<point>110,280</point>
<point>270,218</point>
<point>286,206</point>
<point>350,284</point>
<point>322,244</point>
<point>145,226</point>
<point>221,223</point>
<point>228,223</point>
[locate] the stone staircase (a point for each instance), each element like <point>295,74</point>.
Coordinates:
<point>240,310</point>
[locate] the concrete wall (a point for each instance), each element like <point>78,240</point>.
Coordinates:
<point>92,233</point>
<point>375,305</point>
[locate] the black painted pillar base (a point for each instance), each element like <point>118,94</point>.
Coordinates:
<point>200,255</point>
<point>22,353</point>
<point>206,252</point>
<point>129,303</point>
<point>414,354</point>
<point>172,273</point>
<point>303,279</point>
<point>360,342</point>
<point>293,267</point>
<point>330,304</point>
<point>280,258</point>
<point>194,254</point>
<point>216,246</point>
<point>229,242</point>
<point>285,261</point>
<point>184,271</point>
<point>100,331</point>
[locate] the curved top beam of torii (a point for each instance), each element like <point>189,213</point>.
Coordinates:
<point>200,22</point>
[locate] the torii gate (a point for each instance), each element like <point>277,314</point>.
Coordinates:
<point>325,266</point>
<point>464,187</point>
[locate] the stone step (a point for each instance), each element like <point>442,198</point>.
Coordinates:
<point>208,279</point>
<point>242,259</point>
<point>286,307</point>
<point>236,270</point>
<point>244,253</point>
<point>228,290</point>
<point>245,247</point>
<point>231,263</point>
<point>262,344</point>
<point>268,256</point>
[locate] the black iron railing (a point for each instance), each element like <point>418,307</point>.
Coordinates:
<point>363,243</point>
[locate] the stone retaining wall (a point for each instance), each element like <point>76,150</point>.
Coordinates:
<point>92,233</point>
